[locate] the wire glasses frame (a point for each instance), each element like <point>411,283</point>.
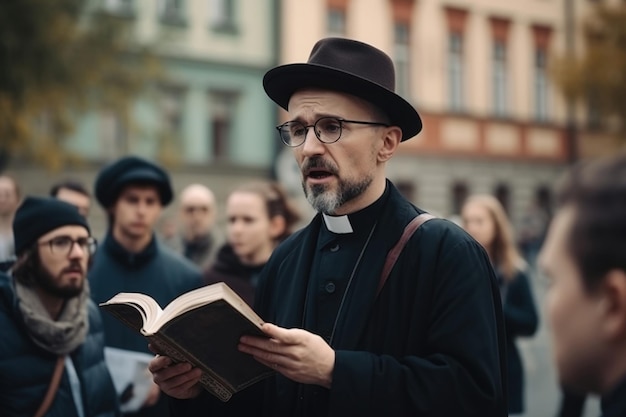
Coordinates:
<point>327,130</point>
<point>63,245</point>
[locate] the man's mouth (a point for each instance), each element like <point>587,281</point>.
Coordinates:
<point>318,174</point>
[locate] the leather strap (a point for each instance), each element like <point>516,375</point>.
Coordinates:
<point>52,388</point>
<point>394,253</point>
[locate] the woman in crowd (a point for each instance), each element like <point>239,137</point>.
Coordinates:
<point>259,217</point>
<point>485,219</point>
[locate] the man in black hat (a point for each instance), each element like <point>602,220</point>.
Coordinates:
<point>345,341</point>
<point>49,324</point>
<point>133,191</point>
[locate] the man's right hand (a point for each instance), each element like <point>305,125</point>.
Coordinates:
<point>176,380</point>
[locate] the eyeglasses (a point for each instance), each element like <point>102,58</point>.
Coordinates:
<point>327,130</point>
<point>63,245</point>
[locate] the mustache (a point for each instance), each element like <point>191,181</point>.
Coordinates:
<point>319,163</point>
<point>74,266</point>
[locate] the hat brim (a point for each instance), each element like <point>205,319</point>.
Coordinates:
<point>281,82</point>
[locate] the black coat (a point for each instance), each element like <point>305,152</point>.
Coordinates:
<point>229,269</point>
<point>521,319</point>
<point>431,344</point>
<point>26,369</point>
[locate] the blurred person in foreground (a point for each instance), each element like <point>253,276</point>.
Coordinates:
<point>48,321</point>
<point>133,191</point>
<point>485,219</point>
<point>197,215</point>
<point>584,259</point>
<point>9,201</point>
<point>73,192</point>
<point>259,217</point>
<point>430,340</point>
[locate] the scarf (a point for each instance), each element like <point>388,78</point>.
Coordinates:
<point>60,336</point>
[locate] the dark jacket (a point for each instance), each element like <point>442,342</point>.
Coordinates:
<point>26,369</point>
<point>431,344</point>
<point>156,271</point>
<point>521,319</point>
<point>614,403</point>
<point>229,269</point>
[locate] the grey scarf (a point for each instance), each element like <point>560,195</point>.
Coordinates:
<point>60,336</point>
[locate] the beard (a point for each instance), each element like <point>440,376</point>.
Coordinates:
<point>325,200</point>
<point>49,283</point>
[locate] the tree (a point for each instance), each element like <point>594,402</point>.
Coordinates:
<point>598,75</point>
<point>59,59</point>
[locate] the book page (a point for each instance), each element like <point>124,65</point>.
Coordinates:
<point>132,380</point>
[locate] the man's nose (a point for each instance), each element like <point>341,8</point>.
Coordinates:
<point>76,251</point>
<point>312,145</point>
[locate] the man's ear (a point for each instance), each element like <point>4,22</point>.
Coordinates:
<point>613,304</point>
<point>391,141</point>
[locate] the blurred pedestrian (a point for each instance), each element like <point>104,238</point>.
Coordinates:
<point>75,193</point>
<point>584,259</point>
<point>259,217</point>
<point>133,191</point>
<point>197,215</point>
<point>9,201</point>
<point>347,336</point>
<point>485,219</point>
<point>51,348</point>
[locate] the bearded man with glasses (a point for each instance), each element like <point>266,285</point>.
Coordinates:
<point>52,335</point>
<point>350,334</point>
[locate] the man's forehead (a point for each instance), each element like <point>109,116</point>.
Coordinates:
<point>72,230</point>
<point>556,241</point>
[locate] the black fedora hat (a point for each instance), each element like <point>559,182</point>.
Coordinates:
<point>349,66</point>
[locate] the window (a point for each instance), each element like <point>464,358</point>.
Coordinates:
<point>221,121</point>
<point>402,52</point>
<point>541,85</point>
<point>222,15</point>
<point>120,7</point>
<point>113,136</point>
<point>171,109</point>
<point>503,193</point>
<point>455,71</point>
<point>460,191</point>
<point>499,79</point>
<point>336,22</point>
<point>172,11</point>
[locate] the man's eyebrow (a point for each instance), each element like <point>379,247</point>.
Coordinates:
<point>316,116</point>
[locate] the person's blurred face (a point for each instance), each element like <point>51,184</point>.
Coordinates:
<point>63,270</point>
<point>197,214</point>
<point>8,197</point>
<point>336,177</point>
<point>573,313</point>
<point>136,211</point>
<point>81,201</point>
<point>478,222</point>
<point>250,231</point>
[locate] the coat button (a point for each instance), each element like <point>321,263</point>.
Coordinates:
<point>335,247</point>
<point>330,287</point>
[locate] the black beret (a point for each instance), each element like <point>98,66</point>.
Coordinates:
<point>37,216</point>
<point>131,170</point>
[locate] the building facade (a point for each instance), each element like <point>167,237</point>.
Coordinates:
<point>477,71</point>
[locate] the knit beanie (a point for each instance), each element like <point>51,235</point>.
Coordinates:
<point>37,216</point>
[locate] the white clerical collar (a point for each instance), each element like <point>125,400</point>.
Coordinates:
<point>337,224</point>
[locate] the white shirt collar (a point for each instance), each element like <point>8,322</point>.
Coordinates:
<point>338,224</point>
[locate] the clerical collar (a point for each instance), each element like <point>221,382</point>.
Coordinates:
<point>354,222</point>
<point>338,224</point>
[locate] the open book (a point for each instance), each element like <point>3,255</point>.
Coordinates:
<point>201,327</point>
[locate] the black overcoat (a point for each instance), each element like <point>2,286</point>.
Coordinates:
<point>431,344</point>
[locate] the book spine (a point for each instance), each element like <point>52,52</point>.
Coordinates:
<point>209,379</point>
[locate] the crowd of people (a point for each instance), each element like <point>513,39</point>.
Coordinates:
<point>374,307</point>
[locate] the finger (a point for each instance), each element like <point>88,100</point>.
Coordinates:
<point>158,363</point>
<point>278,333</point>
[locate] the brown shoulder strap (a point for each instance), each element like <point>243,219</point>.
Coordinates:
<point>52,388</point>
<point>394,253</point>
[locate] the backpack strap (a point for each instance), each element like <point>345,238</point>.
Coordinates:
<point>394,253</point>
<point>52,388</point>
